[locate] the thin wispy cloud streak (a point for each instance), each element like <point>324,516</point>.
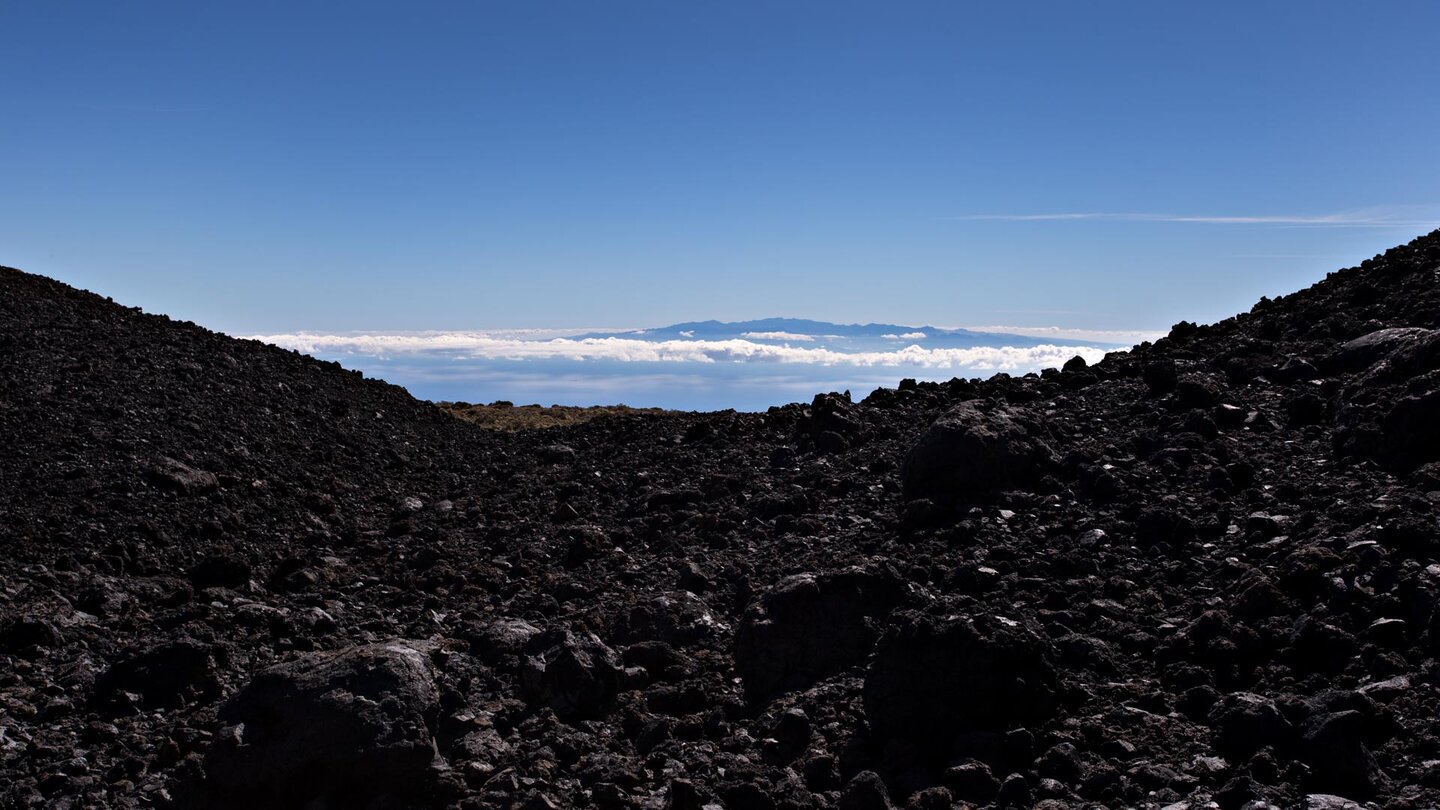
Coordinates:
<point>1368,218</point>
<point>482,346</point>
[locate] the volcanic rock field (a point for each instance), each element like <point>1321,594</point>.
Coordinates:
<point>1202,573</point>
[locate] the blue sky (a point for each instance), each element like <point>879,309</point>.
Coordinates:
<point>264,167</point>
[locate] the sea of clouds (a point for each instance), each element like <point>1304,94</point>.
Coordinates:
<point>482,346</point>
<point>750,373</point>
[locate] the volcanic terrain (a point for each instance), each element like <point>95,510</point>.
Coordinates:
<point>1201,573</point>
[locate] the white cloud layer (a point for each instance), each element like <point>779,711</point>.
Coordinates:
<point>907,336</point>
<point>484,346</point>
<point>772,336</point>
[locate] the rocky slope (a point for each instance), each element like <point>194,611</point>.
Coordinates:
<point>505,415</point>
<point>1202,573</point>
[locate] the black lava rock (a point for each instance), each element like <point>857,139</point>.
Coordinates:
<point>932,678</point>
<point>971,450</point>
<point>333,727</point>
<point>579,677</point>
<point>810,626</point>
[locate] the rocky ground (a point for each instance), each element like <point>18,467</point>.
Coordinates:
<point>1203,573</point>
<point>503,415</point>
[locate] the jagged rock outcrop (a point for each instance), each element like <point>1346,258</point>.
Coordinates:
<point>346,727</point>
<point>810,626</point>
<point>972,449</point>
<point>935,677</point>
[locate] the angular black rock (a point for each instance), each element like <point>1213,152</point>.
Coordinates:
<point>971,450</point>
<point>935,677</point>
<point>577,676</point>
<point>335,727</point>
<point>810,626</point>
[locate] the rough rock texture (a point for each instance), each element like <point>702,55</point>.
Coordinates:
<point>575,677</point>
<point>971,449</point>
<point>935,677</point>
<point>1368,349</point>
<point>1220,551</point>
<point>810,626</point>
<point>342,727</point>
<point>166,675</point>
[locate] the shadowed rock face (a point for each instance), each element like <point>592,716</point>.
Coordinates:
<point>811,626</point>
<point>970,451</point>
<point>1206,570</point>
<point>935,677</point>
<point>1368,349</point>
<point>349,725</point>
<point>1390,411</point>
<point>576,677</point>
<point>167,675</point>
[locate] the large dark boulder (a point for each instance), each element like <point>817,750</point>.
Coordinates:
<point>223,570</point>
<point>1160,376</point>
<point>1410,431</point>
<point>503,642</point>
<point>1369,349</point>
<point>28,635</point>
<point>176,476</point>
<point>1390,412</point>
<point>1245,722</point>
<point>673,617</point>
<point>832,423</point>
<point>1333,745</point>
<point>577,677</point>
<point>168,675</point>
<point>810,626</point>
<point>972,449</point>
<point>866,791</point>
<point>932,678</point>
<point>1410,356</point>
<point>343,728</point>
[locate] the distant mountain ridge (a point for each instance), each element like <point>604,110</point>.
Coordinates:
<point>841,337</point>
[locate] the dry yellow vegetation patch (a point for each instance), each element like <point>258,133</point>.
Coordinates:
<point>502,415</point>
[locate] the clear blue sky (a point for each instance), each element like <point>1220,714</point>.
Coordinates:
<point>276,166</point>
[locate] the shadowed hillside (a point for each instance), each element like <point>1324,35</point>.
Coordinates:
<point>1206,570</point>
